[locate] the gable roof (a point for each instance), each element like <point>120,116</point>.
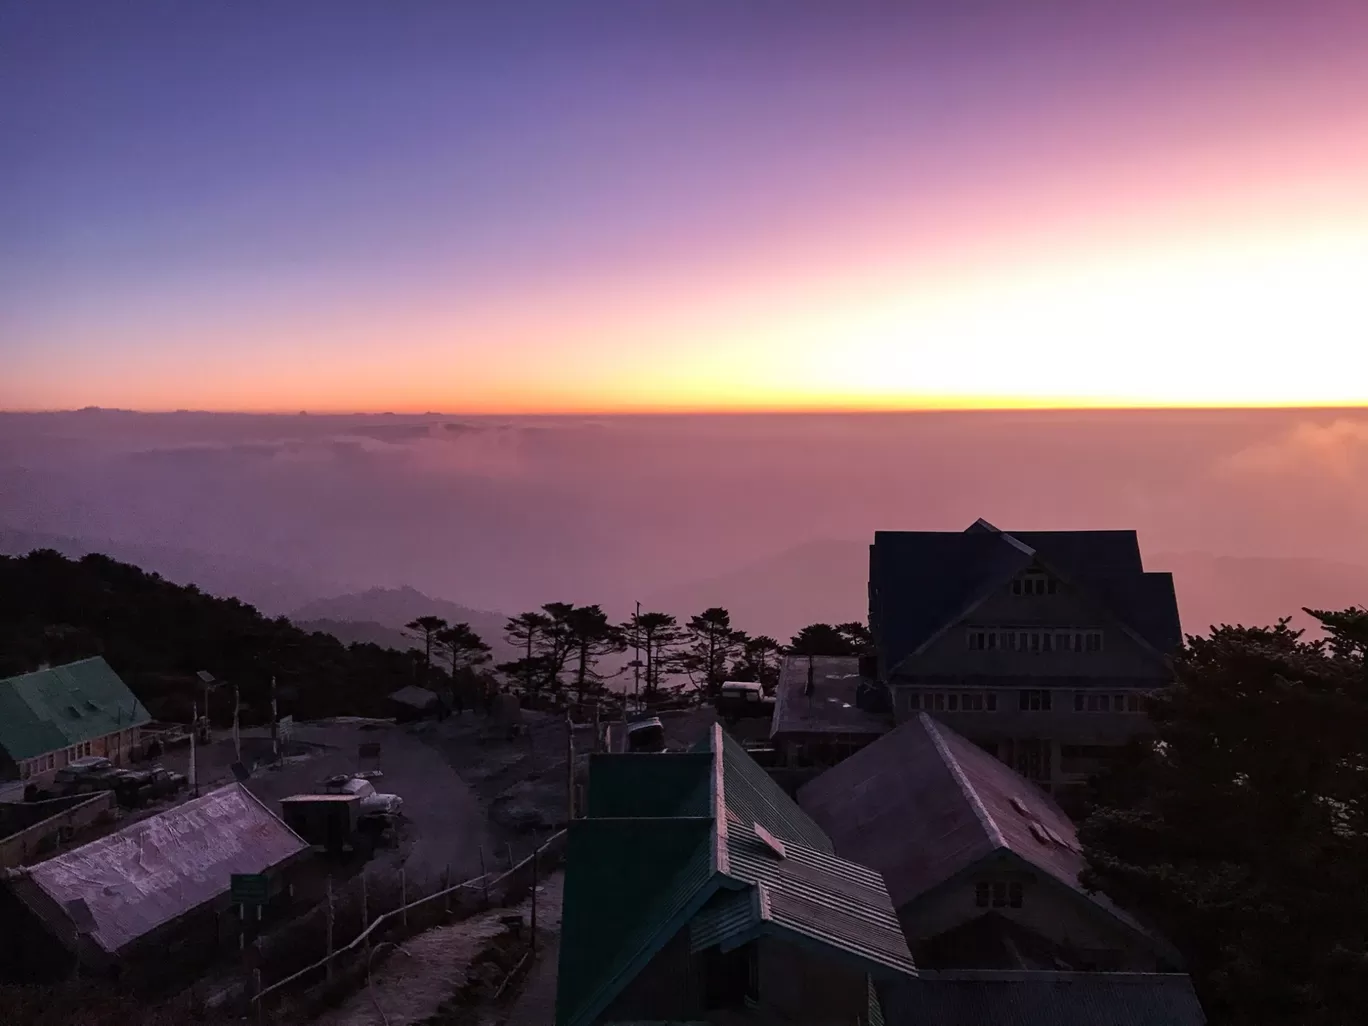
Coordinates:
<point>967,805</point>
<point>158,869</point>
<point>924,581</point>
<point>1043,999</point>
<point>48,710</point>
<point>645,864</point>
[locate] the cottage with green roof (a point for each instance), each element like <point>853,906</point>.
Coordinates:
<point>697,891</point>
<point>52,717</point>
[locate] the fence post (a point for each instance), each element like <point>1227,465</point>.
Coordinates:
<point>329,966</point>
<point>534,900</point>
<point>365,908</point>
<point>484,877</point>
<point>446,890</point>
<point>510,856</point>
<point>569,768</point>
<point>403,898</point>
<point>256,987</point>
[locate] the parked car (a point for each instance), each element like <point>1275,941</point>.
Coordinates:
<point>86,775</point>
<point>646,735</point>
<point>138,787</point>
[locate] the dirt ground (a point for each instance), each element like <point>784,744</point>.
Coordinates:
<point>413,984</point>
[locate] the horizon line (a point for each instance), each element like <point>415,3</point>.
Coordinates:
<point>711,411</point>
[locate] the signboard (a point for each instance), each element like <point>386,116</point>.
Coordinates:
<point>285,728</point>
<point>369,750</point>
<point>250,889</point>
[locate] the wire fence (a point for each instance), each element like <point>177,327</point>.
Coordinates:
<point>343,963</point>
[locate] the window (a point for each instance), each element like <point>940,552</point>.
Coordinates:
<point>952,703</point>
<point>999,894</point>
<point>990,701</point>
<point>992,640</point>
<point>913,701</point>
<point>982,891</point>
<point>976,641</point>
<point>1035,641</point>
<point>1094,641</point>
<point>1045,640</point>
<point>1014,893</point>
<point>1079,701</point>
<point>1134,704</point>
<point>1034,701</point>
<point>939,704</point>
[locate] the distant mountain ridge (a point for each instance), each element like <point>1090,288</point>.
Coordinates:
<point>383,612</point>
<point>269,588</point>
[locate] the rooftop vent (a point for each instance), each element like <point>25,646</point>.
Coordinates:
<point>73,712</point>
<point>1020,806</point>
<point>770,841</point>
<point>1040,834</point>
<point>92,706</point>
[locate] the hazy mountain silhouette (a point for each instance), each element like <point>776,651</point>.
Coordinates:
<point>826,581</point>
<point>271,589</point>
<point>379,614</point>
<point>351,632</point>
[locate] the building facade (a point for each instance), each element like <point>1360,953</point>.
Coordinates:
<point>1041,647</point>
<point>52,717</point>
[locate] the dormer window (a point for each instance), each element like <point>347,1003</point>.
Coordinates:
<point>1034,583</point>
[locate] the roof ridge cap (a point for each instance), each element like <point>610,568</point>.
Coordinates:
<point>721,858</point>
<point>990,827</point>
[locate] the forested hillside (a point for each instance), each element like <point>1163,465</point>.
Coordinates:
<point>157,635</point>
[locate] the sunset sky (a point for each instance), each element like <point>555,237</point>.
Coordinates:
<point>519,207</point>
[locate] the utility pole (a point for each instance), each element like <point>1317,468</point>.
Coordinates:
<point>570,768</point>
<point>237,732</point>
<point>194,729</point>
<point>275,720</point>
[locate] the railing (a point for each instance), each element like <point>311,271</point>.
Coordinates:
<point>400,915</point>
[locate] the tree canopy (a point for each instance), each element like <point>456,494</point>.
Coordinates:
<point>1242,830</point>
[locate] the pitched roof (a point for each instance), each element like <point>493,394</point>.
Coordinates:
<point>52,709</point>
<point>1042,999</point>
<point>922,581</point>
<point>831,708</point>
<point>413,695</point>
<point>966,803</point>
<point>158,869</point>
<point>645,864</point>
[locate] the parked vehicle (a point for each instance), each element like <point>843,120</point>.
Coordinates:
<point>133,788</point>
<point>646,735</point>
<point>359,784</point>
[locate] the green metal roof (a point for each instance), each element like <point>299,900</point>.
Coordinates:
<point>752,796</point>
<point>52,709</point>
<point>627,882</point>
<point>644,784</point>
<point>669,843</point>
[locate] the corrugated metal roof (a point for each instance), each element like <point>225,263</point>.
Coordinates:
<point>160,868</point>
<point>1043,999</point>
<point>923,804</point>
<point>52,709</point>
<point>633,882</point>
<point>730,913</point>
<point>823,898</point>
<point>753,797</point>
<point>831,708</point>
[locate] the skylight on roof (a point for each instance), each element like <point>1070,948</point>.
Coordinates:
<point>770,841</point>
